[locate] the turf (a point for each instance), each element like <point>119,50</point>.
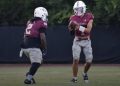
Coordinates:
<point>59,75</point>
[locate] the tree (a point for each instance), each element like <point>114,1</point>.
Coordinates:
<point>107,11</point>
<point>17,12</point>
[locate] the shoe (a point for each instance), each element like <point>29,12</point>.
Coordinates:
<point>32,81</point>
<point>85,78</point>
<point>74,80</point>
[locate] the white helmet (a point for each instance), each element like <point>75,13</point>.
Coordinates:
<point>41,12</point>
<point>79,8</point>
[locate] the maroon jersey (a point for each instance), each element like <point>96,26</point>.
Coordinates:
<point>83,21</point>
<point>32,33</point>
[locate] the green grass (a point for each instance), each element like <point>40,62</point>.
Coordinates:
<point>60,76</point>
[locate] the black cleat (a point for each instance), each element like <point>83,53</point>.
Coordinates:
<point>74,80</point>
<point>32,81</point>
<point>85,78</point>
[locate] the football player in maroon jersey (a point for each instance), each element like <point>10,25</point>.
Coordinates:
<point>81,24</point>
<point>34,44</point>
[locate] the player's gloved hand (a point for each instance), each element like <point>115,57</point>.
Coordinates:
<point>44,52</point>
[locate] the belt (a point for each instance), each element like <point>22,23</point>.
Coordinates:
<point>79,39</point>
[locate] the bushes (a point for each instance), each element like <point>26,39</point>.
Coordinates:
<point>17,12</point>
<point>107,11</point>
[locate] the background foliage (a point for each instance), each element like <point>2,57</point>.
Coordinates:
<point>17,12</point>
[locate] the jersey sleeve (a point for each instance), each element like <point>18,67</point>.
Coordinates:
<point>71,18</point>
<point>91,16</point>
<point>42,27</point>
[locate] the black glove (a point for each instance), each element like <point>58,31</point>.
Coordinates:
<point>44,52</point>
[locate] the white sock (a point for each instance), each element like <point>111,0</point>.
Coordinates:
<point>84,73</point>
<point>75,78</point>
<point>29,77</point>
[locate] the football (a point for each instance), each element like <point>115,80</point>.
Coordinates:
<point>73,24</point>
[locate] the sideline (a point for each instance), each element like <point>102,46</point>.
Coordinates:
<point>53,65</point>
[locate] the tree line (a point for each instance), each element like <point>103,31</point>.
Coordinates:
<point>17,12</point>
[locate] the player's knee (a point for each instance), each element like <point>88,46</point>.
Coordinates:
<point>35,64</point>
<point>76,57</point>
<point>39,60</point>
<point>76,61</point>
<point>89,60</point>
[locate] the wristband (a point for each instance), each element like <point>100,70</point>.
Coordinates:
<point>82,29</point>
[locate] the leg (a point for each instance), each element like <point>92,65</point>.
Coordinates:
<point>34,67</point>
<point>88,54</point>
<point>36,59</point>
<point>76,55</point>
<point>29,76</point>
<point>87,67</point>
<point>75,70</point>
<point>75,67</point>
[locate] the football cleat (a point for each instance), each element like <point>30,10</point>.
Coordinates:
<point>32,81</point>
<point>74,80</point>
<point>85,78</point>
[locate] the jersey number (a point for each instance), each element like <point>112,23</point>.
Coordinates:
<point>28,29</point>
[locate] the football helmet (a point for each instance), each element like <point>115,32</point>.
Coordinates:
<point>79,8</point>
<point>41,12</point>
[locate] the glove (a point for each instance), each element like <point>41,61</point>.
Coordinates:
<point>44,52</point>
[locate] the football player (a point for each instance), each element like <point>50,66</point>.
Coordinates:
<point>34,44</point>
<point>80,25</point>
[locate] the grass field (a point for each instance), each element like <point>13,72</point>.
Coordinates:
<point>60,75</point>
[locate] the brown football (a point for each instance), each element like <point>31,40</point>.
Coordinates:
<point>73,25</point>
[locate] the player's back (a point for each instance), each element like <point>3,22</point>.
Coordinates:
<point>32,33</point>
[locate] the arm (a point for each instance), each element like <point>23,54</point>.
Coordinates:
<point>89,27</point>
<point>69,26</point>
<point>43,41</point>
<point>73,25</point>
<point>43,44</point>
